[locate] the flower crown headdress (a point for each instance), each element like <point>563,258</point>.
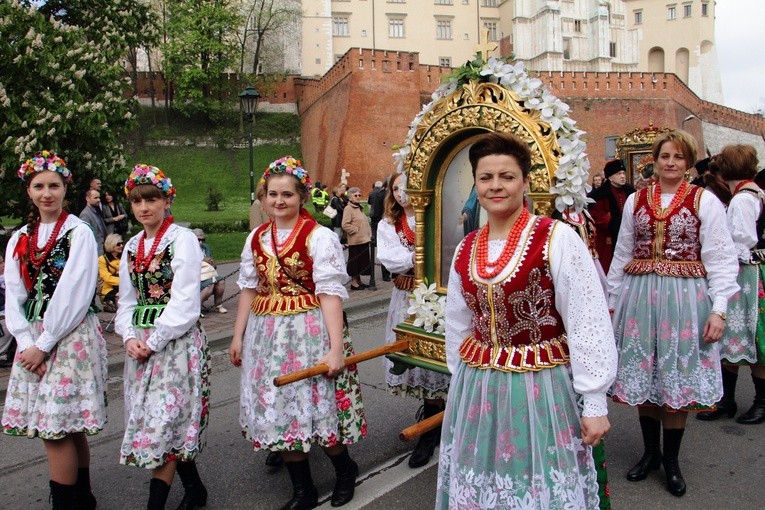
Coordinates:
<point>288,166</point>
<point>44,160</point>
<point>147,174</point>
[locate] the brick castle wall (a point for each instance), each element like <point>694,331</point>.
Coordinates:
<point>388,88</point>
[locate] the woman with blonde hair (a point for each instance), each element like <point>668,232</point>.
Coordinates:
<point>673,272</point>
<point>109,272</point>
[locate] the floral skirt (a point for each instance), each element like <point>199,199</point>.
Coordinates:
<point>415,382</point>
<point>663,360</point>
<point>167,402</point>
<point>321,410</point>
<point>70,397</point>
<point>744,338</point>
<point>513,440</point>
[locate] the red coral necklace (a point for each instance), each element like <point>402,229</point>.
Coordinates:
<point>482,247</point>
<point>408,232</point>
<point>674,204</point>
<point>290,238</point>
<point>38,256</point>
<point>142,261</point>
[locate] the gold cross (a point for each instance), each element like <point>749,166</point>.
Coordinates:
<point>485,47</point>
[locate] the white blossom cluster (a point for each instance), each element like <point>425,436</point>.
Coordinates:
<point>428,308</point>
<point>65,86</point>
<point>573,170</point>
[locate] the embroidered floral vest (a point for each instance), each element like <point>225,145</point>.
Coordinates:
<point>670,247</point>
<point>278,291</point>
<point>516,327</point>
<point>152,287</point>
<point>47,279</point>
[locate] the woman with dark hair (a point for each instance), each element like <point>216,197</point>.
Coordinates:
<point>57,387</point>
<point>530,348</point>
<point>744,340</point>
<point>167,366</point>
<point>290,316</point>
<point>114,214</point>
<point>395,249</point>
<point>673,272</point>
<point>358,232</point>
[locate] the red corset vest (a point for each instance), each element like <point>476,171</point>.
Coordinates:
<point>277,293</point>
<point>670,247</point>
<point>516,327</point>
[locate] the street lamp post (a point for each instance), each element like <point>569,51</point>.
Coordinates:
<point>689,117</point>
<point>248,99</point>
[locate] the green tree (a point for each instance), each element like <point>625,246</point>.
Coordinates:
<point>62,87</point>
<point>199,50</point>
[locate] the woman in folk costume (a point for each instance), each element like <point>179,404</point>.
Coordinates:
<point>743,342</point>
<point>57,387</point>
<point>395,249</point>
<point>167,366</point>
<point>527,337</point>
<point>673,271</point>
<point>290,317</point>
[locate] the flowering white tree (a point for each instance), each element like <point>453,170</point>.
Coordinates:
<point>63,87</point>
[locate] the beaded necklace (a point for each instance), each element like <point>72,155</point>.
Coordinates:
<point>293,234</point>
<point>142,261</point>
<point>38,256</point>
<point>482,247</point>
<point>674,204</point>
<point>407,231</point>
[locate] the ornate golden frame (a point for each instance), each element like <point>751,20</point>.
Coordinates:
<point>451,124</point>
<point>476,107</point>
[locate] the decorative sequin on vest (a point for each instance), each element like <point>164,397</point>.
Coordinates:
<point>47,279</point>
<point>516,327</point>
<point>285,288</point>
<point>668,247</point>
<point>152,287</point>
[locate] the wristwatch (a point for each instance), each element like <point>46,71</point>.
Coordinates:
<point>723,315</point>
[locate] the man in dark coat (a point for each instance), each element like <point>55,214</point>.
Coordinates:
<point>607,209</point>
<point>91,215</point>
<point>376,202</point>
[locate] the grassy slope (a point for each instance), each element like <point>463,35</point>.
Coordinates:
<point>194,170</point>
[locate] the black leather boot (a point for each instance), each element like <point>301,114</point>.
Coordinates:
<point>83,496</point>
<point>756,413</point>
<point>62,496</point>
<point>675,481</point>
<point>195,493</point>
<point>651,459</point>
<point>158,492</point>
<point>346,472</point>
<point>727,405</point>
<point>428,441</point>
<point>274,459</point>
<point>304,493</point>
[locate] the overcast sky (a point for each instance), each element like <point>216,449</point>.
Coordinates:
<point>740,35</point>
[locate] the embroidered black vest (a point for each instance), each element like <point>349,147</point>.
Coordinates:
<point>46,280</point>
<point>152,287</point>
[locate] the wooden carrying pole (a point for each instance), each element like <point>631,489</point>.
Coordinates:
<point>322,368</point>
<point>421,427</point>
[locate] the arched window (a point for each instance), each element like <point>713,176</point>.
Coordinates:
<point>681,64</point>
<point>656,60</point>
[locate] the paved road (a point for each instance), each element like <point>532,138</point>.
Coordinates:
<point>237,478</point>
